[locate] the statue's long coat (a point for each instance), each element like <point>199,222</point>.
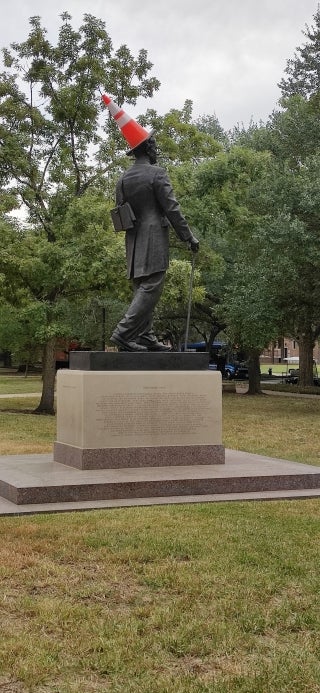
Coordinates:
<point>149,191</point>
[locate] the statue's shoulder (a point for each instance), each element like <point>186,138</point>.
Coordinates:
<point>159,172</point>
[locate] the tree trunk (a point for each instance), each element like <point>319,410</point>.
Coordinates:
<point>46,405</point>
<point>254,372</point>
<point>306,344</point>
<point>7,360</point>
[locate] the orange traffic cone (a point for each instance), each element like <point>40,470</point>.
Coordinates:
<point>134,133</point>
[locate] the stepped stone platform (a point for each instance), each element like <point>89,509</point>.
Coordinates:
<point>35,483</point>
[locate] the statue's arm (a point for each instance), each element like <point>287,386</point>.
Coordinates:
<point>166,199</point>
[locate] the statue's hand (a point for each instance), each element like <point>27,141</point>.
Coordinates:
<point>194,244</point>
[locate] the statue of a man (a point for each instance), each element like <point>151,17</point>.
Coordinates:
<point>147,188</point>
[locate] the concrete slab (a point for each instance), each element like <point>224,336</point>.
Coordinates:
<point>39,484</point>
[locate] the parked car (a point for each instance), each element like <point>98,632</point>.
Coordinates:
<point>220,354</point>
<point>292,375</point>
<point>236,371</point>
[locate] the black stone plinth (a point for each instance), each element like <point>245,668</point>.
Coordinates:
<point>137,361</point>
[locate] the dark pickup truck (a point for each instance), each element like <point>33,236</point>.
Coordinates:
<point>231,371</point>
<point>235,370</point>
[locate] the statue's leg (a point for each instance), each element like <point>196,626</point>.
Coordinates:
<point>138,318</point>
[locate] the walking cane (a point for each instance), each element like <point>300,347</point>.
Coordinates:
<point>189,302</point>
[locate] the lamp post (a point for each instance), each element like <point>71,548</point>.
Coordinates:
<point>103,329</point>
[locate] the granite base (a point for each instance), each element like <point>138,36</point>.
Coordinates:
<point>121,458</point>
<point>138,361</point>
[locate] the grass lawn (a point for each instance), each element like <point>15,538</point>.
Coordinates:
<point>16,384</point>
<point>178,599</point>
<point>285,427</point>
<point>277,368</point>
<point>208,598</point>
<point>21,431</point>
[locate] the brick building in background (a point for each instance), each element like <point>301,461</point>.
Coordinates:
<point>284,349</point>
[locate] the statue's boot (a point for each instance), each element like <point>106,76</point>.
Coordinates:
<point>127,346</point>
<point>151,343</point>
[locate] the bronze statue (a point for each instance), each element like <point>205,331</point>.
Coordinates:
<point>148,190</point>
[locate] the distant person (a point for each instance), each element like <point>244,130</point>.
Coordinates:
<point>147,188</point>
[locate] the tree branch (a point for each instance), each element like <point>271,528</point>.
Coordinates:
<point>31,119</point>
<point>74,159</point>
<point>53,150</point>
<point>43,221</point>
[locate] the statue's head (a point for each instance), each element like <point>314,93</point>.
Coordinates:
<point>147,148</point>
<point>151,150</point>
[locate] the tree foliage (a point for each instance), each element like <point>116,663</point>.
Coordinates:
<point>221,204</point>
<point>179,138</point>
<point>295,140</point>
<point>303,69</point>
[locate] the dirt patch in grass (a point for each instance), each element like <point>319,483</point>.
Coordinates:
<point>7,686</point>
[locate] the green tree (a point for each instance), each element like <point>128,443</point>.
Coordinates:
<point>289,199</point>
<point>303,69</point>
<point>210,124</point>
<point>293,193</point>
<point>295,140</point>
<point>18,333</point>
<point>252,315</point>
<point>221,203</point>
<point>53,152</point>
<point>298,248</point>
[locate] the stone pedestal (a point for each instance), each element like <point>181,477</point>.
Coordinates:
<point>112,419</point>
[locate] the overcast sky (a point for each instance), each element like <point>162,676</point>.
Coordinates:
<point>227,57</point>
